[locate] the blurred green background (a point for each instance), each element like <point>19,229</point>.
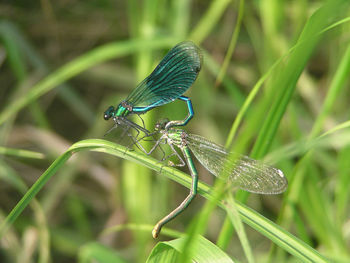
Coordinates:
<point>280,67</point>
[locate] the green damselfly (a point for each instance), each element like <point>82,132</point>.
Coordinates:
<point>243,172</point>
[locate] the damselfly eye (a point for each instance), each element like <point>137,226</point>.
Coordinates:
<point>108,113</point>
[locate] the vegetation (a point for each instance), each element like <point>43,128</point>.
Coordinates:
<point>274,86</point>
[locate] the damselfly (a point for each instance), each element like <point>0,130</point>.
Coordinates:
<point>243,172</point>
<point>168,81</point>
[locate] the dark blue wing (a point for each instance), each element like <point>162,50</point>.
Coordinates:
<point>170,79</point>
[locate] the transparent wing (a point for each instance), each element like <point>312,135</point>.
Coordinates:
<point>170,79</point>
<point>246,173</point>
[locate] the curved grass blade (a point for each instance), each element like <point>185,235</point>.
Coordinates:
<point>266,227</point>
<point>74,67</point>
<point>321,19</point>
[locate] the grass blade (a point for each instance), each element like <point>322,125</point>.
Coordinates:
<point>275,233</point>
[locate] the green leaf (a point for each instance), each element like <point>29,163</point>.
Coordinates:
<point>20,153</point>
<point>284,86</point>
<point>205,252</point>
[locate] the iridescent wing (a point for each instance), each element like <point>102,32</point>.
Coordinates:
<point>170,79</point>
<point>246,173</point>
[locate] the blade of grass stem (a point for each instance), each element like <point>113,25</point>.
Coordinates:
<point>232,45</point>
<point>274,232</point>
<point>74,67</point>
<point>209,20</point>
<point>21,153</point>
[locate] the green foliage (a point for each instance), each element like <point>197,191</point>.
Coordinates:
<point>279,68</point>
<point>205,252</point>
<point>95,252</point>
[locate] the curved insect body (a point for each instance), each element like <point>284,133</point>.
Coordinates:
<point>244,172</point>
<point>177,137</point>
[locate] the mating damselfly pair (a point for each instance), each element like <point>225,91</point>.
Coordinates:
<point>170,79</point>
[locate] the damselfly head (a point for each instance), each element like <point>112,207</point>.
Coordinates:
<point>108,113</point>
